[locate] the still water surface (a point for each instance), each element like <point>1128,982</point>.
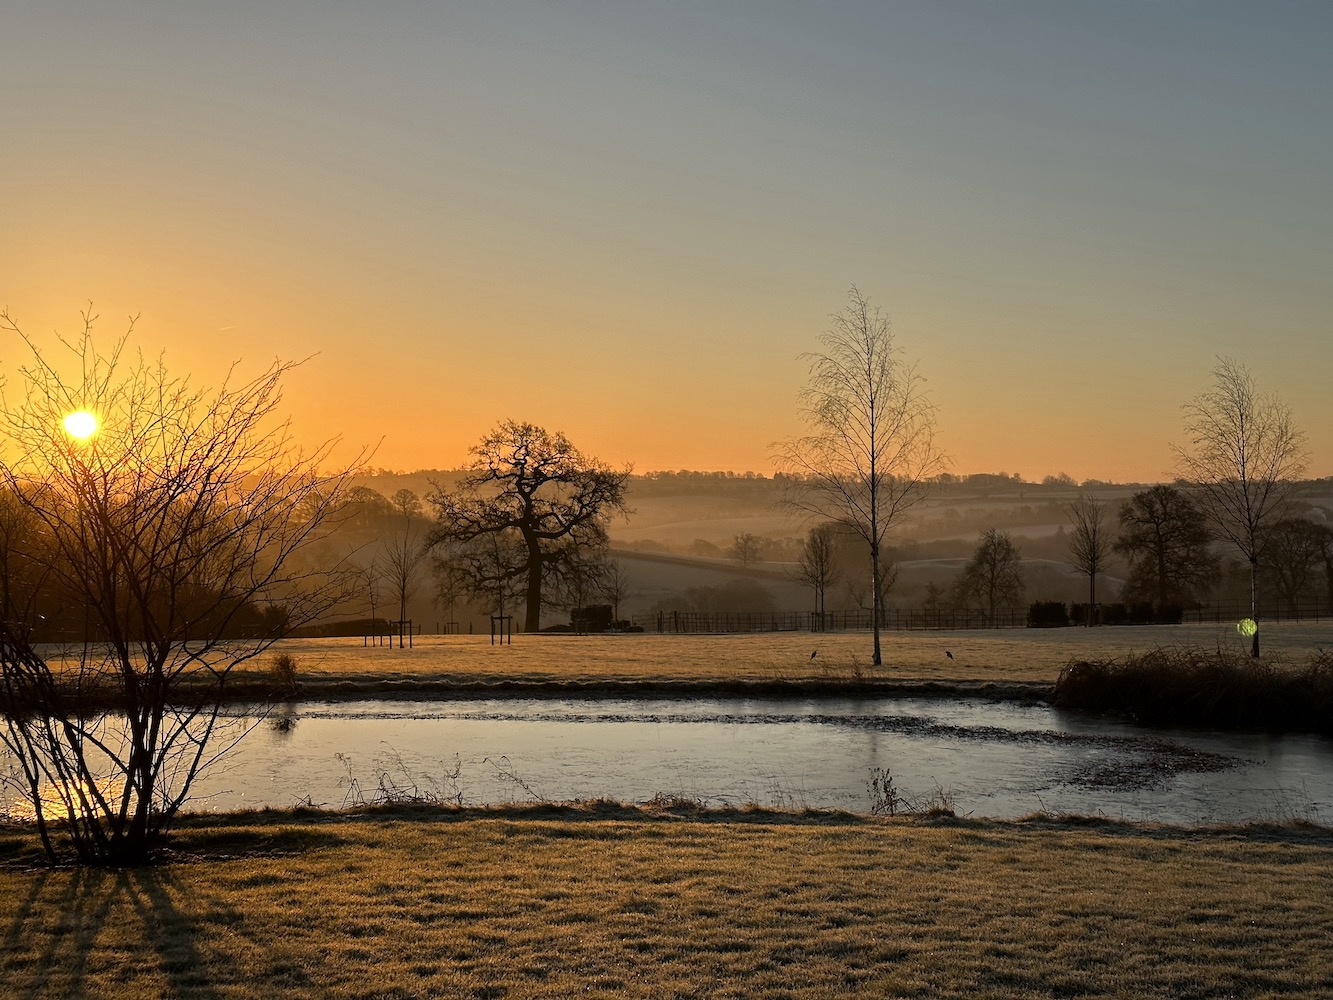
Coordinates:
<point>994,759</point>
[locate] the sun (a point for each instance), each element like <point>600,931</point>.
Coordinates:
<point>81,425</point>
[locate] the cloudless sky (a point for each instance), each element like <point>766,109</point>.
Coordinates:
<point>627,221</point>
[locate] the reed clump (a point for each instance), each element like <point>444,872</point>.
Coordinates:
<point>282,674</point>
<point>1193,686</point>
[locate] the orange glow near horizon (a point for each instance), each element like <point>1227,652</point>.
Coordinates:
<point>1059,256</point>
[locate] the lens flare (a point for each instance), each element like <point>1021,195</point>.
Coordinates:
<point>1247,626</point>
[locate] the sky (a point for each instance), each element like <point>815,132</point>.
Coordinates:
<point>628,222</point>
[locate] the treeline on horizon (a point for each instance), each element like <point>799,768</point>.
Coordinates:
<point>757,485</point>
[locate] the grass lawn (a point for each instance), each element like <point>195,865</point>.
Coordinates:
<point>613,901</point>
<point>979,656</point>
<point>1003,663</point>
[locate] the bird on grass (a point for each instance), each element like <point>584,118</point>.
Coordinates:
<point>948,654</point>
<point>814,654</point>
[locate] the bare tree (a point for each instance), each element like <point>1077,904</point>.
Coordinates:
<point>22,570</point>
<point>1295,551</point>
<point>616,586</point>
<point>402,558</point>
<point>870,453</point>
<point>1245,457</point>
<point>580,577</point>
<point>405,551</point>
<point>449,586</point>
<point>993,578</point>
<point>1166,538</point>
<point>817,565</point>
<point>364,508</point>
<point>406,503</point>
<point>538,497</point>
<point>368,576</point>
<point>1090,543</point>
<point>746,549</point>
<point>858,586</point>
<point>172,528</point>
<point>934,598</point>
<point>478,572</point>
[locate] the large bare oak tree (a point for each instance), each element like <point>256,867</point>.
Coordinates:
<point>531,506</point>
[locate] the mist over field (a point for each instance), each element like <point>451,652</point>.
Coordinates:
<point>676,543</point>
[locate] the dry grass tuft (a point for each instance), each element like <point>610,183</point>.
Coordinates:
<point>282,671</point>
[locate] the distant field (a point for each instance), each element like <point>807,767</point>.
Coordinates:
<point>1000,655</point>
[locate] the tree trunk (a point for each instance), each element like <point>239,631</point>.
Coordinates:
<point>532,621</point>
<point>1254,604</point>
<point>875,658</point>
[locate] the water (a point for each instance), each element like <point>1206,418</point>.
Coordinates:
<point>993,759</point>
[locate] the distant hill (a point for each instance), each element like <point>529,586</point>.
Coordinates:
<point>673,543</point>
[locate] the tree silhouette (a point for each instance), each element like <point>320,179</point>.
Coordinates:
<point>535,502</point>
<point>616,586</point>
<point>1169,546</point>
<point>870,453</point>
<point>1295,551</point>
<point>405,551</point>
<point>993,578</point>
<point>1090,543</point>
<point>177,536</point>
<point>1245,457</point>
<point>817,565</point>
<point>747,549</point>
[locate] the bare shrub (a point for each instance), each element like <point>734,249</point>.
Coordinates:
<point>282,672</point>
<point>175,529</point>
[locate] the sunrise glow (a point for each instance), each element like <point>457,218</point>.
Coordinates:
<point>81,425</point>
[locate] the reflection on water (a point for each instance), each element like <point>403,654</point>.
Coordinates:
<point>999,760</point>
<point>68,802</point>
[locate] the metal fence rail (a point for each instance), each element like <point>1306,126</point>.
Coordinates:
<point>717,622</point>
<point>909,619</point>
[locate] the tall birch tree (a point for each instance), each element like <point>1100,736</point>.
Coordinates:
<point>1245,458</point>
<point>870,452</point>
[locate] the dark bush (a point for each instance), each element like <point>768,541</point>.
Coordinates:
<point>1141,613</point>
<point>1197,687</point>
<point>1047,614</point>
<point>1114,614</point>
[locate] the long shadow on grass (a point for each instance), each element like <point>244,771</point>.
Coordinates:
<point>64,916</point>
<point>143,917</point>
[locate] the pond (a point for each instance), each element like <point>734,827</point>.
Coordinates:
<point>992,759</point>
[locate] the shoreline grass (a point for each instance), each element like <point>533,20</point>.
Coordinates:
<point>609,900</point>
<point>1218,689</point>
